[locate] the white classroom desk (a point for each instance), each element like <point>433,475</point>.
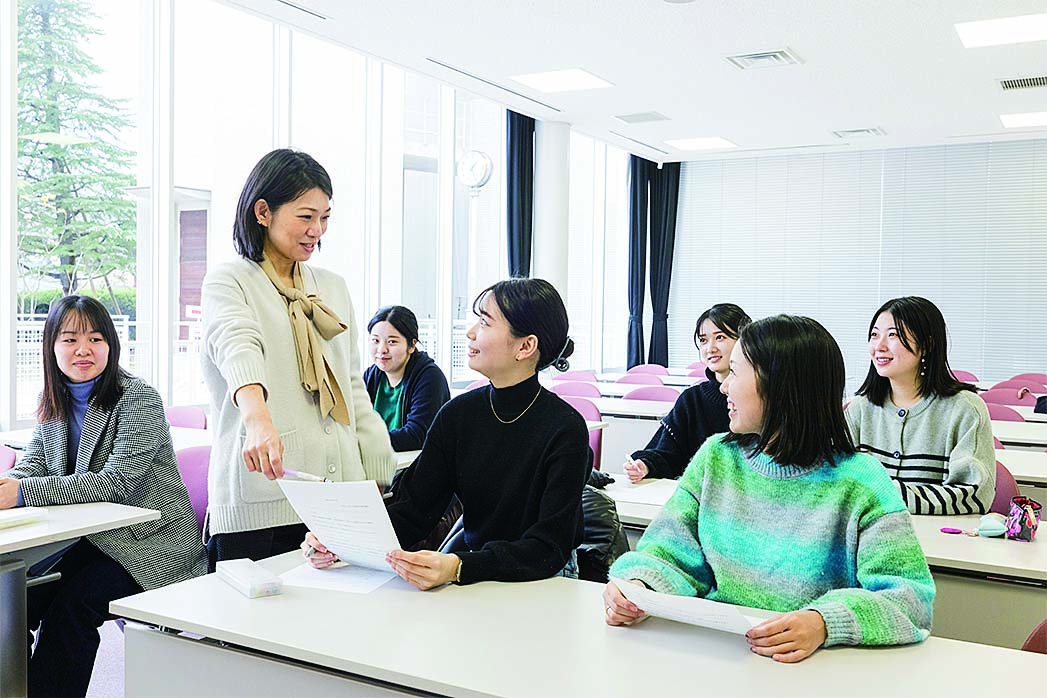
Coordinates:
<point>1030,434</point>
<point>1027,467</point>
<point>610,389</point>
<point>23,546</point>
<point>182,437</point>
<point>545,638</point>
<point>677,381</point>
<point>1027,412</point>
<point>990,590</point>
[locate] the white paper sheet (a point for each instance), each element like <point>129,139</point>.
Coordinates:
<point>689,609</point>
<point>349,518</point>
<point>656,492</point>
<point>20,516</point>
<point>350,578</point>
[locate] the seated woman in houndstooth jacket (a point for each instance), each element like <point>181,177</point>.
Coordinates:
<point>101,436</point>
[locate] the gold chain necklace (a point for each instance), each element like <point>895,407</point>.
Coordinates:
<point>490,399</point>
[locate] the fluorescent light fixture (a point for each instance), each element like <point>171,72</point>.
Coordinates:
<point>1032,118</point>
<point>706,143</point>
<point>1006,30</point>
<point>566,80</point>
<point>56,138</point>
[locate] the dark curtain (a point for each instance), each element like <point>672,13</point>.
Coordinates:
<point>519,147</point>
<point>665,194</point>
<point>639,174</point>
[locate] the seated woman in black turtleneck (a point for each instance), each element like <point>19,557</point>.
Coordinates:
<point>515,454</point>
<point>701,410</point>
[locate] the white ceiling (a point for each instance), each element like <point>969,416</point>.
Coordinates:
<point>893,64</point>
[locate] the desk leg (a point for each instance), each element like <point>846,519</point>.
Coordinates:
<point>13,657</point>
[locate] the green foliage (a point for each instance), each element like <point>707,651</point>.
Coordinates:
<point>75,219</point>
<point>29,301</point>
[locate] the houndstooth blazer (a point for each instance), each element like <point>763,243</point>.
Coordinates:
<point>125,456</point>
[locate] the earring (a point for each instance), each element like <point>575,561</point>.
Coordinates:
<point>923,367</point>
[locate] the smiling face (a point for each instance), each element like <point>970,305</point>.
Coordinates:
<point>493,350</point>
<point>294,230</point>
<point>81,352</point>
<point>744,404</point>
<point>715,347</point>
<point>890,357</point>
<point>390,350</point>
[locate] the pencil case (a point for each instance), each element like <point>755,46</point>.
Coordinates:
<point>1024,519</point>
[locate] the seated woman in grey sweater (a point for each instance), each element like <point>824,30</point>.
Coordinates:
<point>931,431</point>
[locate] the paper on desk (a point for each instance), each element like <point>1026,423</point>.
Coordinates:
<point>689,609</point>
<point>19,516</point>
<point>348,517</point>
<point>656,492</point>
<point>350,578</point>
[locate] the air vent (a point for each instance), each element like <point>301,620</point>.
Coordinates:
<point>1023,83</point>
<point>643,117</point>
<point>849,133</point>
<point>765,59</point>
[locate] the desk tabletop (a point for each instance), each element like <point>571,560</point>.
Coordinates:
<point>181,437</point>
<point>673,380</point>
<point>72,521</point>
<point>611,389</point>
<point>1028,413</point>
<point>547,640</point>
<point>1027,467</point>
<point>1021,433</point>
<point>642,409</point>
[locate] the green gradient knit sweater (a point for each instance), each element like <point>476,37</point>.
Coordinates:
<point>749,531</point>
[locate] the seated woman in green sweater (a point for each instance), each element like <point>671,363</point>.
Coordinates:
<point>783,514</point>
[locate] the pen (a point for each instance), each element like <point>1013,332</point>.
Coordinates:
<point>310,551</point>
<point>308,477</point>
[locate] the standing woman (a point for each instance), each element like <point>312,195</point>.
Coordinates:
<point>281,365</point>
<point>101,436</point>
<point>782,514</point>
<point>406,386</point>
<point>515,454</point>
<point>929,430</point>
<point>701,410</point>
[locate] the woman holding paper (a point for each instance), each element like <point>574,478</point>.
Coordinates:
<point>281,365</point>
<point>782,513</point>
<point>515,454</point>
<point>101,437</point>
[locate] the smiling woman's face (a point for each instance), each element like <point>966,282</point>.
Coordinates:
<point>81,352</point>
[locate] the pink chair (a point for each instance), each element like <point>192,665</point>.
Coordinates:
<point>657,393</point>
<point>1038,377</point>
<point>577,389</point>
<point>477,384</point>
<point>575,376</point>
<point>7,458</point>
<point>640,379</point>
<point>186,416</point>
<point>997,444</point>
<point>1002,413</point>
<point>698,372</point>
<point>1017,383</point>
<point>1006,489</point>
<point>1008,396</point>
<point>1037,640</point>
<point>192,465</point>
<point>652,369</point>
<point>965,376</point>
<point>590,412</point>
<point>696,366</point>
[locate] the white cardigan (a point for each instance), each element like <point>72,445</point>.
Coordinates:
<point>247,339</point>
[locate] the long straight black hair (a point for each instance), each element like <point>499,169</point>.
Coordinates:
<point>89,316</point>
<point>800,377</point>
<point>921,328</point>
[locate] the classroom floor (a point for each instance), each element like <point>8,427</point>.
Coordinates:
<point>107,680</point>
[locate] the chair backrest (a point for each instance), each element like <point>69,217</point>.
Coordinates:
<point>1003,413</point>
<point>696,366</point>
<point>576,388</point>
<point>965,376</point>
<point>477,384</point>
<point>1038,377</point>
<point>1006,489</point>
<point>192,465</point>
<point>590,412</point>
<point>653,369</point>
<point>1037,641</point>
<point>7,458</point>
<point>640,379</point>
<point>1007,396</point>
<point>658,393</point>
<point>997,444</point>
<point>187,416</point>
<point>697,373</point>
<point>1015,383</point>
<point>575,376</point>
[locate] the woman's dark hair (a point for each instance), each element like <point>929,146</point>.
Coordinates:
<point>921,327</point>
<point>800,377</point>
<point>402,320</point>
<point>727,316</point>
<point>279,177</point>
<point>533,306</point>
<point>89,316</point>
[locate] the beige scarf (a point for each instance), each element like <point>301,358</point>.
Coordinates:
<point>308,315</point>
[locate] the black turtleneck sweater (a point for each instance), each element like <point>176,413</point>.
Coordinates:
<point>699,412</point>
<point>520,484</point>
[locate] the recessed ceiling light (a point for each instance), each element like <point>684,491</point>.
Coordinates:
<point>1006,30</point>
<point>706,143</point>
<point>1033,118</point>
<point>561,80</point>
